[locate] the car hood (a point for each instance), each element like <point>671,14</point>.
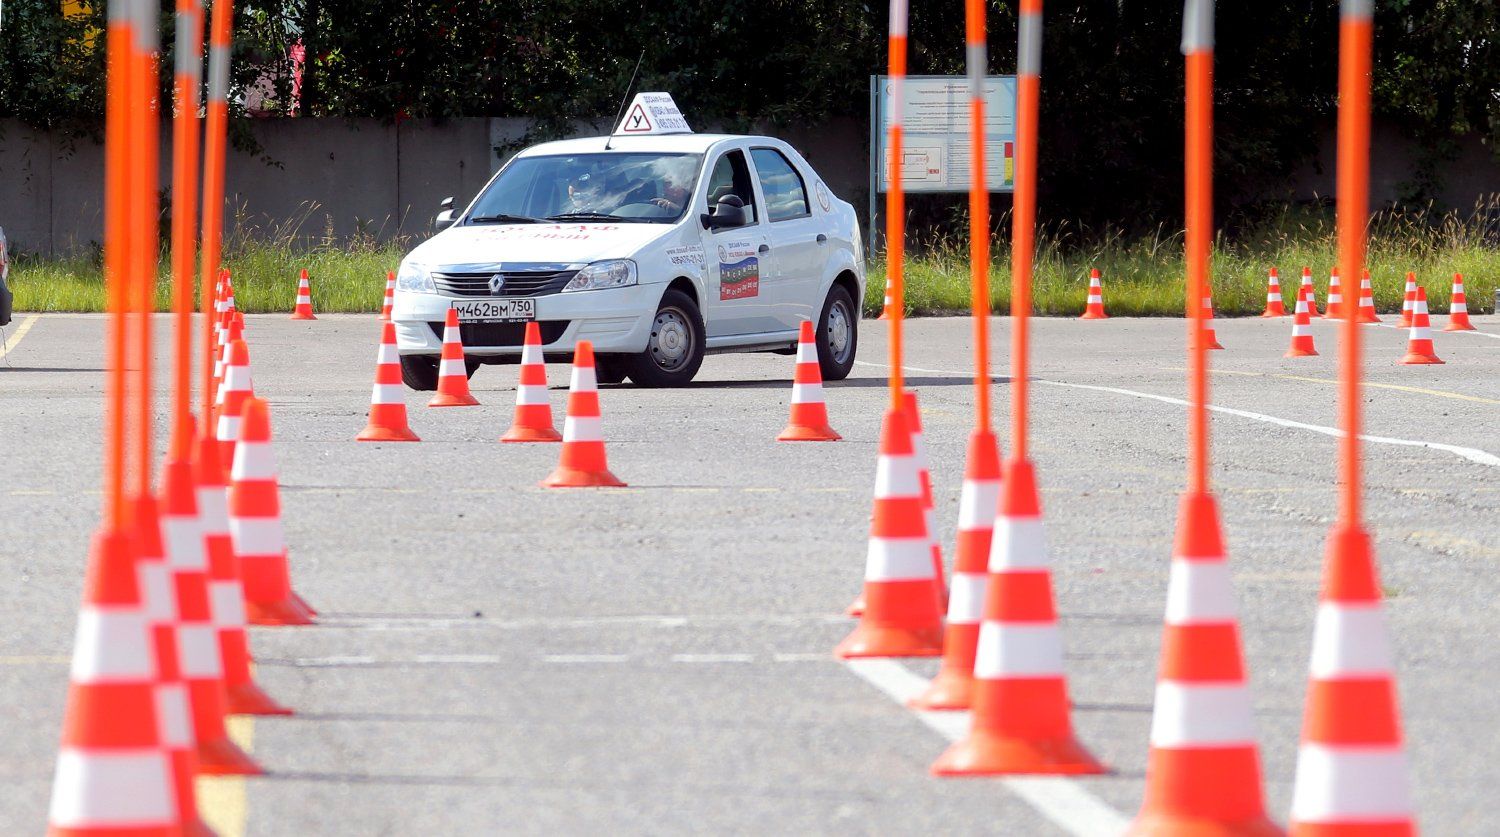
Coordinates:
<point>551,243</point>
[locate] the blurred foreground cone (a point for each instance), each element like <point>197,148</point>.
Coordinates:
<point>1021,712</point>
<point>387,398</point>
<point>229,405</point>
<point>1419,344</point>
<point>1409,301</point>
<point>390,296</point>
<point>953,687</point>
<point>112,774</point>
<point>924,477</point>
<point>1094,306</point>
<point>1311,290</point>
<point>1210,336</point>
<point>1274,306</point>
<point>226,594</point>
<point>583,463</point>
<point>533,419</point>
<point>1351,765</point>
<point>255,525</point>
<point>202,665</point>
<point>1302,338</point>
<point>1458,307</point>
<point>1335,307</point>
<point>303,311</point>
<point>1367,300</point>
<point>901,617</point>
<point>809,421</point>
<point>1203,772</point>
<point>453,376</point>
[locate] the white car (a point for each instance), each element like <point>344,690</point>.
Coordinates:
<point>657,248</point>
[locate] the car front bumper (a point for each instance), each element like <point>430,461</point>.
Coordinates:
<point>615,320</point>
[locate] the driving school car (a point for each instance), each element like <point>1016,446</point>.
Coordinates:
<point>656,244</point>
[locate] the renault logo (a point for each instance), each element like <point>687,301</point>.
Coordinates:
<point>497,283</point>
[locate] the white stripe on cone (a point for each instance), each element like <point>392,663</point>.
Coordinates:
<point>1199,592</point>
<point>898,559</point>
<point>172,715</point>
<point>1350,641</point>
<point>966,598</point>
<point>112,643</point>
<point>531,394</point>
<point>255,536</point>
<point>97,789</point>
<point>1350,785</point>
<point>253,461</point>
<point>583,429</point>
<point>1015,649</point>
<point>198,648</point>
<point>1202,714</point>
<point>896,476</point>
<point>1018,544</point>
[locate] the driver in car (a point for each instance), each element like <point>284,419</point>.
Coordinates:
<point>584,193</point>
<point>673,196</point>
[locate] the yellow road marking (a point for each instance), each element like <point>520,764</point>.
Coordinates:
<point>25,326</point>
<point>221,799</point>
<point>1397,387</point>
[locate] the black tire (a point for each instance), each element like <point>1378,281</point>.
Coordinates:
<point>674,364</point>
<point>420,372</point>
<point>470,367</point>
<point>610,369</point>
<point>838,313</point>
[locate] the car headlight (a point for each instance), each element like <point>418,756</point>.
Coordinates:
<point>414,278</point>
<point>615,273</point>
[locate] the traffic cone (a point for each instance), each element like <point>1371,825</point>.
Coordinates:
<point>1408,302</point>
<point>202,666</point>
<point>902,617</point>
<point>1209,334</point>
<point>1094,307</point>
<point>453,377</point>
<point>953,687</point>
<point>232,329</point>
<point>583,463</point>
<point>1367,300</point>
<point>809,421</point>
<point>1312,293</point>
<point>924,477</point>
<point>112,774</point>
<point>387,400</point>
<point>225,592</point>
<point>1458,307</point>
<point>1021,718</point>
<point>1203,772</point>
<point>229,404</point>
<point>390,296</point>
<point>1419,344</point>
<point>255,525</point>
<point>1351,766</point>
<point>303,311</point>
<point>533,418</point>
<point>1335,307</point>
<point>1302,338</point>
<point>885,308</point>
<point>1274,307</point>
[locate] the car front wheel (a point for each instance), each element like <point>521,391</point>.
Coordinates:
<point>675,349</point>
<point>838,335</point>
<point>420,372</point>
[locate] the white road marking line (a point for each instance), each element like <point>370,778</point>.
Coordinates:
<point>13,340</point>
<point>458,659</point>
<point>586,658</point>
<point>330,662</point>
<point>1472,454</point>
<point>1063,801</point>
<point>713,658</point>
<point>823,657</point>
<point>1437,331</point>
<point>421,623</point>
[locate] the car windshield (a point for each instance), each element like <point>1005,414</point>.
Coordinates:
<point>643,188</point>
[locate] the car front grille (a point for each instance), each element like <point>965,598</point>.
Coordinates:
<point>517,283</point>
<point>503,334</point>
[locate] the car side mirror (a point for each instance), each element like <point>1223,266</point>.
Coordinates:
<point>730,212</point>
<point>444,217</point>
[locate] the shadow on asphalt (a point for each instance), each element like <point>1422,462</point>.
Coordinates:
<point>855,383</point>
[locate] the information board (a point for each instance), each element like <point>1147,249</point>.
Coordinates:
<point>935,133</point>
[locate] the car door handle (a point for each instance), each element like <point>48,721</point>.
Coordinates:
<point>765,248</point>
<point>822,239</point>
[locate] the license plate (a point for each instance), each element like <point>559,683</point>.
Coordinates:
<point>516,310</point>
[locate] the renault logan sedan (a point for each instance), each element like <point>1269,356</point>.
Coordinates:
<point>659,249</point>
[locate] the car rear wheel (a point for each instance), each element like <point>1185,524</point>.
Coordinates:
<point>420,372</point>
<point>838,335</point>
<point>675,349</point>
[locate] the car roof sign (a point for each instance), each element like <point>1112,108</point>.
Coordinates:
<point>652,113</point>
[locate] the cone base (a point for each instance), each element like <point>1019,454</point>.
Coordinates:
<point>197,828</point>
<point>1272,314</point>
<point>871,641</point>
<point>1301,353</point>
<point>248,699</point>
<point>1459,327</point>
<point>373,433</point>
<point>443,399</point>
<point>803,433</point>
<point>1369,318</point>
<point>225,758</point>
<point>1188,826</point>
<point>989,754</point>
<point>1413,359</point>
<point>288,611</point>
<point>1093,316</point>
<point>1216,347</point>
<point>518,433</point>
<point>856,607</point>
<point>302,603</point>
<point>574,478</point>
<point>302,317</point>
<point>951,690</point>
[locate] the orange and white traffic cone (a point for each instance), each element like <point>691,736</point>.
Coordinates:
<point>1302,338</point>
<point>885,307</point>
<point>231,329</point>
<point>387,398</point>
<point>1409,301</point>
<point>1312,293</point>
<point>1094,306</point>
<point>1367,300</point>
<point>390,296</point>
<point>1209,334</point>
<point>583,463</point>
<point>809,420</point>
<point>953,687</point>
<point>901,617</point>
<point>303,309</point>
<point>229,404</point>
<point>201,660</point>
<point>1335,307</point>
<point>112,775</point>
<point>1274,306</point>
<point>1351,766</point>
<point>255,525</point>
<point>533,418</point>
<point>924,476</point>
<point>242,696</point>
<point>453,376</point>
<point>1458,307</point>
<point>1203,772</point>
<point>1021,713</point>
<point>1419,342</point>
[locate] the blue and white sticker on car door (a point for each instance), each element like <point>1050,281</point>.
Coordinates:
<point>739,270</point>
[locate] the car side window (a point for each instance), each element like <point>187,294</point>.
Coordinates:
<point>786,195</point>
<point>731,176</point>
